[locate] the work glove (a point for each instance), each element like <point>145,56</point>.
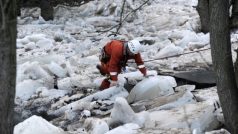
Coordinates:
<point>143,71</point>
<point>99,67</point>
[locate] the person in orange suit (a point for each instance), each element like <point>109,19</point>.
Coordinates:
<point>114,57</point>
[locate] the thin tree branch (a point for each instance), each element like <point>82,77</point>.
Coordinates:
<point>133,11</point>
<point>122,11</point>
<point>124,19</point>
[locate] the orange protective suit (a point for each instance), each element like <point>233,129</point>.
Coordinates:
<point>116,51</point>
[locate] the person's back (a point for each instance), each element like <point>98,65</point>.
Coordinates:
<point>115,46</point>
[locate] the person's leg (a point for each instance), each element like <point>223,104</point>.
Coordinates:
<point>103,69</point>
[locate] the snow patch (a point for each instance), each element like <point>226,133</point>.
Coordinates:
<point>36,125</point>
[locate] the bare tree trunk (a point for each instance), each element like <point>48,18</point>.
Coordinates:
<point>47,10</point>
<point>222,61</point>
<point>7,64</point>
<point>234,16</point>
<point>203,11</point>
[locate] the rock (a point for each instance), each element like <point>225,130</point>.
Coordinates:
<point>147,40</point>
<point>86,113</point>
<point>198,76</point>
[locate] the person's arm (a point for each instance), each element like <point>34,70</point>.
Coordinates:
<point>140,64</point>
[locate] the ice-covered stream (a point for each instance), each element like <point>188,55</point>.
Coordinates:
<point>58,80</point>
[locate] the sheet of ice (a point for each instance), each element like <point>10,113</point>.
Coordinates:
<point>84,103</point>
<point>179,2</point>
<point>57,70</point>
<point>123,113</point>
<point>96,126</point>
<point>35,71</point>
<point>50,93</point>
<point>30,46</point>
<point>207,94</point>
<point>44,43</point>
<point>32,38</point>
<point>90,60</point>
<point>168,51</point>
<point>21,70</point>
<point>189,36</point>
<point>179,98</point>
<point>25,89</point>
<point>46,59</point>
<point>152,87</point>
<point>129,128</point>
<point>202,41</point>
<point>199,116</point>
<point>37,125</point>
<point>136,75</point>
<point>185,99</point>
<point>101,21</point>
<point>76,81</point>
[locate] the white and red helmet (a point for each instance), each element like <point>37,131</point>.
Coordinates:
<point>134,46</point>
